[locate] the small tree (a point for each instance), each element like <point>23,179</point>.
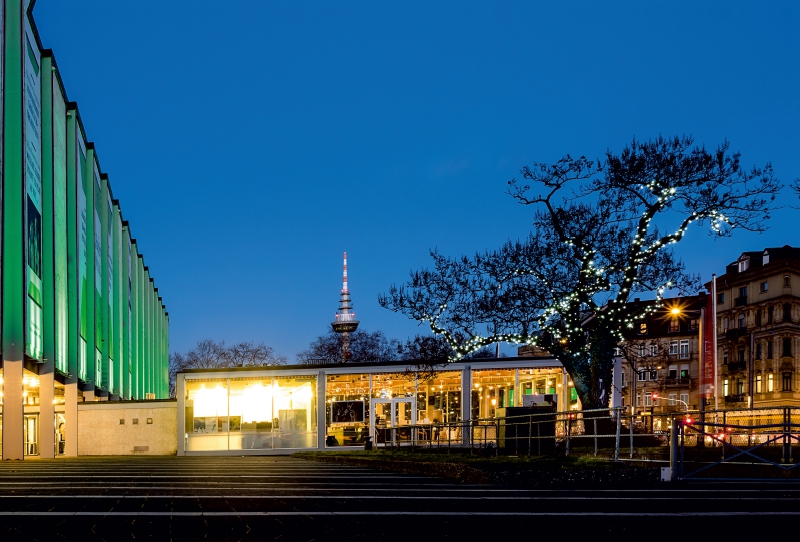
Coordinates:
<point>364,346</point>
<point>603,230</point>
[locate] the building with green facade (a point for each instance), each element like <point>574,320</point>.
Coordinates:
<point>81,317</point>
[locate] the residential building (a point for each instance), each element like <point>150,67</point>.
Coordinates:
<point>758,329</point>
<point>660,367</point>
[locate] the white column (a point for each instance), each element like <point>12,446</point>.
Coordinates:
<point>466,393</point>
<point>71,417</point>
<point>321,407</point>
<point>12,410</point>
<point>47,433</point>
<point>616,383</point>
<point>180,394</point>
<point>517,391</point>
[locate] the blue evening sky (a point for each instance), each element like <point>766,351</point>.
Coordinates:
<point>252,142</point>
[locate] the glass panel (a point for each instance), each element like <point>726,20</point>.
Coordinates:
<point>347,409</point>
<point>402,413</point>
<point>206,415</point>
<point>296,407</point>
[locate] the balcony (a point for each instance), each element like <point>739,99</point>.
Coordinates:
<point>734,366</point>
<point>738,398</point>
<point>685,381</point>
<point>740,301</point>
<point>736,332</point>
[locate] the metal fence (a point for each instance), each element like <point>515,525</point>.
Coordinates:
<point>584,432</point>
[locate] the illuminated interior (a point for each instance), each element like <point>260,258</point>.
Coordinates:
<point>250,413</point>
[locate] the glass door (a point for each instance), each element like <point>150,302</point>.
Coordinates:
<point>391,419</point>
<point>31,434</point>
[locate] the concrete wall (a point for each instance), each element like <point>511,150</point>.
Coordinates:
<point>101,433</point>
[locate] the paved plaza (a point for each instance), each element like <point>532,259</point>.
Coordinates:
<point>283,498</point>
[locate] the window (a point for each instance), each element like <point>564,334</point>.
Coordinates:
<point>648,399</point>
<point>685,349</point>
<point>642,350</point>
<point>654,375</point>
<point>743,265</point>
<point>740,355</point>
<point>758,384</point>
<point>685,399</point>
<point>770,383</point>
<point>721,298</point>
<point>786,281</point>
<point>743,292</point>
<point>673,348</point>
<point>741,321</point>
<point>725,324</point>
<point>642,329</point>
<point>622,378</point>
<point>638,399</point>
<point>725,387</point>
<point>641,376</point>
<point>672,399</point>
<point>740,386</point>
<point>769,350</point>
<point>693,324</point>
<point>787,346</point>
<point>724,357</point>
<point>758,317</point>
<point>673,371</point>
<point>758,351</point>
<point>684,371</point>
<point>764,286</point>
<point>770,314</point>
<point>674,326</point>
<point>787,381</point>
<point>653,349</point>
<point>787,312</point>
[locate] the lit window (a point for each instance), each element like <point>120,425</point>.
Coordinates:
<point>693,324</point>
<point>740,386</point>
<point>642,329</point>
<point>674,326</point>
<point>725,387</point>
<point>770,383</point>
<point>758,384</point>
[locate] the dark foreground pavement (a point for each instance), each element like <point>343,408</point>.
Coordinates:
<point>282,498</point>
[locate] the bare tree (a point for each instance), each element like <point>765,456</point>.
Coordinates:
<point>603,230</point>
<point>250,354</point>
<point>364,346</point>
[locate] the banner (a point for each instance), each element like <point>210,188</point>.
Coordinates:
<point>32,91</point>
<point>60,220</point>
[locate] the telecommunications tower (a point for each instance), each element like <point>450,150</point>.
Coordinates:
<point>345,321</point>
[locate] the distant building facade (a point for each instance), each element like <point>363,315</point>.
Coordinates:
<point>660,369</point>
<point>758,323</point>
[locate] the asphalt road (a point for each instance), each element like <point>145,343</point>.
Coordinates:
<point>282,498</point>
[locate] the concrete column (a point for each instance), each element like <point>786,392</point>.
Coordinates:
<point>47,413</point>
<point>71,417</point>
<point>12,410</point>
<point>321,410</point>
<point>466,393</point>
<point>180,394</point>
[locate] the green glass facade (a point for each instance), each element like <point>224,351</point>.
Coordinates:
<point>81,317</point>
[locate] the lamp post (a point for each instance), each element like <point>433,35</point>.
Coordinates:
<point>677,311</point>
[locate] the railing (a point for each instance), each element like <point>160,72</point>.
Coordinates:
<point>582,432</point>
<point>740,301</point>
<point>752,443</point>
<point>685,381</point>
<point>736,366</point>
<point>348,317</point>
<point>736,398</point>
